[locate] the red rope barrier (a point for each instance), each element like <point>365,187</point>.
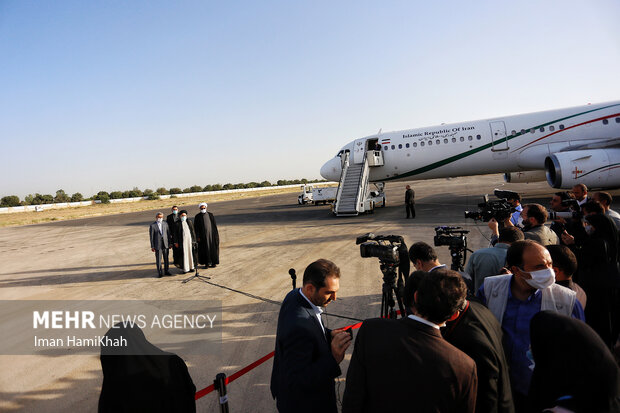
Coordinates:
<point>249,367</point>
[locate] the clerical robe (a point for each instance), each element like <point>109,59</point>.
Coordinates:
<point>208,239</point>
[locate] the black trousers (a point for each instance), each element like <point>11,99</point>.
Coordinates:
<point>158,256</point>
<point>410,210</point>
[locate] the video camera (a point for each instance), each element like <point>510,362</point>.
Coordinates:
<point>574,213</point>
<point>384,247</point>
<point>453,237</point>
<point>500,209</point>
<point>392,253</point>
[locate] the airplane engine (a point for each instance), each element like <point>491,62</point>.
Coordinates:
<point>597,168</point>
<point>525,177</point>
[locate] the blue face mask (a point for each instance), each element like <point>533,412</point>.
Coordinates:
<point>175,211</point>
<point>183,219</point>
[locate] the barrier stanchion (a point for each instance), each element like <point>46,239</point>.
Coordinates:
<point>220,385</point>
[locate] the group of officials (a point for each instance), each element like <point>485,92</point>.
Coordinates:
<point>193,242</point>
<point>508,335</point>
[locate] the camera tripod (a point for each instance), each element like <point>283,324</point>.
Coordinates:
<point>459,255</point>
<point>389,290</point>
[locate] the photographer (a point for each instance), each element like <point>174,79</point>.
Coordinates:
<point>405,364</point>
<point>534,217</point>
<point>565,203</point>
<point>489,261</point>
<point>515,201</point>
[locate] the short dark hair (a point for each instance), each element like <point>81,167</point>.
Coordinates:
<point>509,235</point>
<point>514,255</point>
<point>604,196</point>
<point>316,272</point>
<point>411,286</point>
<point>515,197</point>
<point>536,211</point>
<point>563,258</point>
<point>422,251</point>
<point>583,187</point>
<point>593,206</point>
<point>440,294</point>
<point>564,195</point>
<point>174,206</point>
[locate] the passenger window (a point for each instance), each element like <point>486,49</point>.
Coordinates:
<point>406,145</point>
<point>532,130</point>
<point>445,141</point>
<point>385,147</point>
<point>393,147</point>
<point>453,140</point>
<point>522,131</point>
<point>415,144</point>
<point>400,146</point>
<point>470,138</point>
<point>430,143</point>
<point>422,143</point>
<point>552,128</point>
<point>462,139</point>
<point>617,120</point>
<point>478,137</point>
<point>542,129</point>
<point>605,121</point>
<point>561,127</point>
<point>514,132</point>
<point>437,141</point>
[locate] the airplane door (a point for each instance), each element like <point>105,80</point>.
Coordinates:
<point>359,147</point>
<point>498,136</point>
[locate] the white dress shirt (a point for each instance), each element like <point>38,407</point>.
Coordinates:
<point>317,310</point>
<point>423,321</point>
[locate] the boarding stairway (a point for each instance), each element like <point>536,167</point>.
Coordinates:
<point>352,187</point>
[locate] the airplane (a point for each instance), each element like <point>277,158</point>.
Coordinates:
<point>564,146</point>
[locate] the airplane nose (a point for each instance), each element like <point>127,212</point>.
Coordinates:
<point>331,169</point>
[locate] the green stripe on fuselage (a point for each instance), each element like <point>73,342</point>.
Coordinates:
<point>463,155</point>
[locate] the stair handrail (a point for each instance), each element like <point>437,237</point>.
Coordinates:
<point>343,174</point>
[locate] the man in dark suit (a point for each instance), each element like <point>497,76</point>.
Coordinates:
<point>307,354</point>
<point>159,234</point>
<point>173,220</point>
<point>410,201</point>
<point>405,365</point>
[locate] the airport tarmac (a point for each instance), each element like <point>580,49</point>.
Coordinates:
<point>109,258</point>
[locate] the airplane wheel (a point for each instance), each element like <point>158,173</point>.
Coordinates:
<point>383,203</point>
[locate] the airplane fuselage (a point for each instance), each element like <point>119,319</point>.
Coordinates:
<point>503,144</point>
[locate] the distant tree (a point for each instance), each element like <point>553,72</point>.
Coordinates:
<point>147,192</point>
<point>134,193</point>
<point>104,197</point>
<point>28,199</point>
<point>102,194</point>
<point>265,183</point>
<point>152,196</point>
<point>217,187</point>
<point>77,197</point>
<point>43,199</point>
<point>252,184</point>
<point>207,188</point>
<point>196,188</point>
<point>9,201</point>
<point>282,182</point>
<point>187,190</point>
<point>229,186</point>
<point>162,191</point>
<point>176,191</point>
<point>116,195</point>
<point>304,181</point>
<point>61,196</point>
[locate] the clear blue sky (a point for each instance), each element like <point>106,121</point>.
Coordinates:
<point>105,95</point>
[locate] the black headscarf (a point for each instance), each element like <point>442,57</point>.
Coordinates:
<point>571,362</point>
<point>142,377</point>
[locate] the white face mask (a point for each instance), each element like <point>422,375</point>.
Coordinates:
<point>541,279</point>
<point>589,229</point>
<point>159,220</point>
<point>204,211</point>
<point>183,218</point>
